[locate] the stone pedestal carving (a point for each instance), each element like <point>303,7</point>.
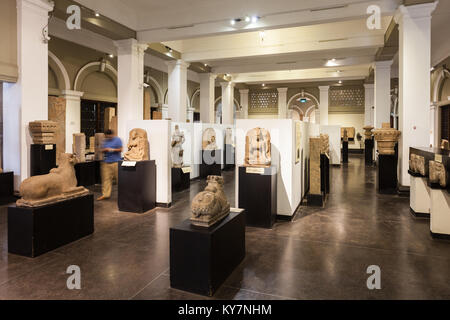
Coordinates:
<point>438,174</point>
<point>43,131</point>
<point>324,144</point>
<point>209,139</point>
<point>57,113</point>
<point>386,137</point>
<point>368,132</point>
<point>417,164</point>
<point>138,146</point>
<point>177,148</point>
<point>257,148</point>
<point>211,205</point>
<point>314,165</point>
<point>79,147</point>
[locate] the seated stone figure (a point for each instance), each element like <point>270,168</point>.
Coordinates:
<point>211,205</point>
<point>438,174</point>
<point>138,146</point>
<point>209,139</point>
<point>257,148</point>
<point>60,184</point>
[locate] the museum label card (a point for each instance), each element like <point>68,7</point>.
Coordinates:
<point>48,147</point>
<point>438,158</point>
<point>254,170</point>
<point>129,164</point>
<point>186,169</point>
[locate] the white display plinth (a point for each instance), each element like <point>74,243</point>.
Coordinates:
<point>440,212</point>
<point>419,200</point>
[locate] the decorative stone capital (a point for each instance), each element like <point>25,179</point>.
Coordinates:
<point>418,11</point>
<point>41,6</point>
<point>129,46</point>
<point>207,76</point>
<point>72,95</point>
<point>324,88</point>
<point>178,63</point>
<point>282,90</point>
<point>243,91</point>
<point>382,64</point>
<point>227,84</point>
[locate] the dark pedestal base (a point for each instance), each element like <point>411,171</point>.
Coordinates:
<point>85,173</point>
<point>229,157</point>
<point>201,259</point>
<point>258,196</point>
<point>368,152</point>
<point>324,174</point>
<point>42,159</point>
<point>419,214</point>
<point>35,231</point>
<point>98,171</point>
<point>345,151</point>
<point>137,187</point>
<point>211,163</point>
<point>180,180</point>
<point>7,188</point>
<point>440,236</point>
<point>315,200</point>
<point>387,174</point>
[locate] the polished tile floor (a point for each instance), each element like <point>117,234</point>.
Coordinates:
<point>322,254</point>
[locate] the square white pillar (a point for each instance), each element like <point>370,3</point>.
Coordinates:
<point>73,115</point>
<point>227,102</point>
<point>324,98</point>
<point>382,99</point>
<point>207,86</point>
<point>177,90</point>
<point>369,104</point>
<point>282,103</point>
<point>130,86</point>
<point>27,99</point>
<point>244,103</point>
<point>414,81</point>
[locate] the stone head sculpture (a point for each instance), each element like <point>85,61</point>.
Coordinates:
<point>138,146</point>
<point>257,148</point>
<point>209,139</point>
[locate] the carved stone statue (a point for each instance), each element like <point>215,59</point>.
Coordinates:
<point>58,185</point>
<point>99,137</point>
<point>386,137</point>
<point>438,174</point>
<point>345,138</point>
<point>79,147</point>
<point>368,132</point>
<point>209,139</point>
<point>177,148</point>
<point>324,144</point>
<point>211,205</point>
<point>257,148</point>
<point>417,164</point>
<point>43,131</point>
<point>445,145</point>
<point>138,146</point>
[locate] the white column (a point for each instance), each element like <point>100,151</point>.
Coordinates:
<point>27,99</point>
<point>207,85</point>
<point>414,80</point>
<point>177,90</point>
<point>244,103</point>
<point>282,103</point>
<point>324,96</point>
<point>165,111</point>
<point>227,102</point>
<point>73,115</point>
<point>433,128</point>
<point>190,114</point>
<point>130,84</point>
<point>368,104</point>
<point>382,99</point>
<point>316,116</point>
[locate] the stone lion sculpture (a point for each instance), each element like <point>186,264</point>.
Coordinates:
<point>209,139</point>
<point>438,174</point>
<point>138,146</point>
<point>211,205</point>
<point>257,148</point>
<point>58,185</point>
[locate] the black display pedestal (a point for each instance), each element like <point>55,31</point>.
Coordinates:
<point>211,163</point>
<point>98,171</point>
<point>7,188</point>
<point>229,156</point>
<point>324,173</point>
<point>201,259</point>
<point>35,231</point>
<point>368,152</point>
<point>137,187</point>
<point>180,180</point>
<point>85,173</point>
<point>316,200</point>
<point>345,151</point>
<point>387,174</point>
<point>258,195</point>
<point>42,158</point>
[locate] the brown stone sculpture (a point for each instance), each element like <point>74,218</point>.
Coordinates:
<point>386,137</point>
<point>314,165</point>
<point>209,139</point>
<point>417,164</point>
<point>368,132</point>
<point>257,148</point>
<point>445,145</point>
<point>79,147</point>
<point>324,144</point>
<point>43,131</point>
<point>345,138</point>
<point>60,184</point>
<point>438,174</point>
<point>211,205</point>
<point>138,146</point>
<point>99,137</point>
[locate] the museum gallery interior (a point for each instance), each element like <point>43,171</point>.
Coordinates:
<point>237,150</point>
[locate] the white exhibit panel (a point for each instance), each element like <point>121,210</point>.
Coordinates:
<point>188,146</point>
<point>419,199</point>
<point>283,147</point>
<point>159,137</point>
<point>440,212</point>
<point>334,132</point>
<point>220,141</point>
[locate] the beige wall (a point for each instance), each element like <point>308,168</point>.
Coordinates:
<point>8,41</point>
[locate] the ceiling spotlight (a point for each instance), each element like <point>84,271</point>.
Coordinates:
<point>263,84</point>
<point>111,56</point>
<point>206,65</point>
<point>233,22</point>
<point>247,19</point>
<point>340,81</point>
<point>333,60</point>
<point>97,14</point>
<point>255,19</point>
<point>338,71</point>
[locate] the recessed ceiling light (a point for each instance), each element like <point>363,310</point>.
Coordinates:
<point>254,19</point>
<point>263,84</point>
<point>340,81</point>
<point>338,71</point>
<point>206,65</point>
<point>97,14</point>
<point>111,55</point>
<point>247,19</point>
<point>233,22</point>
